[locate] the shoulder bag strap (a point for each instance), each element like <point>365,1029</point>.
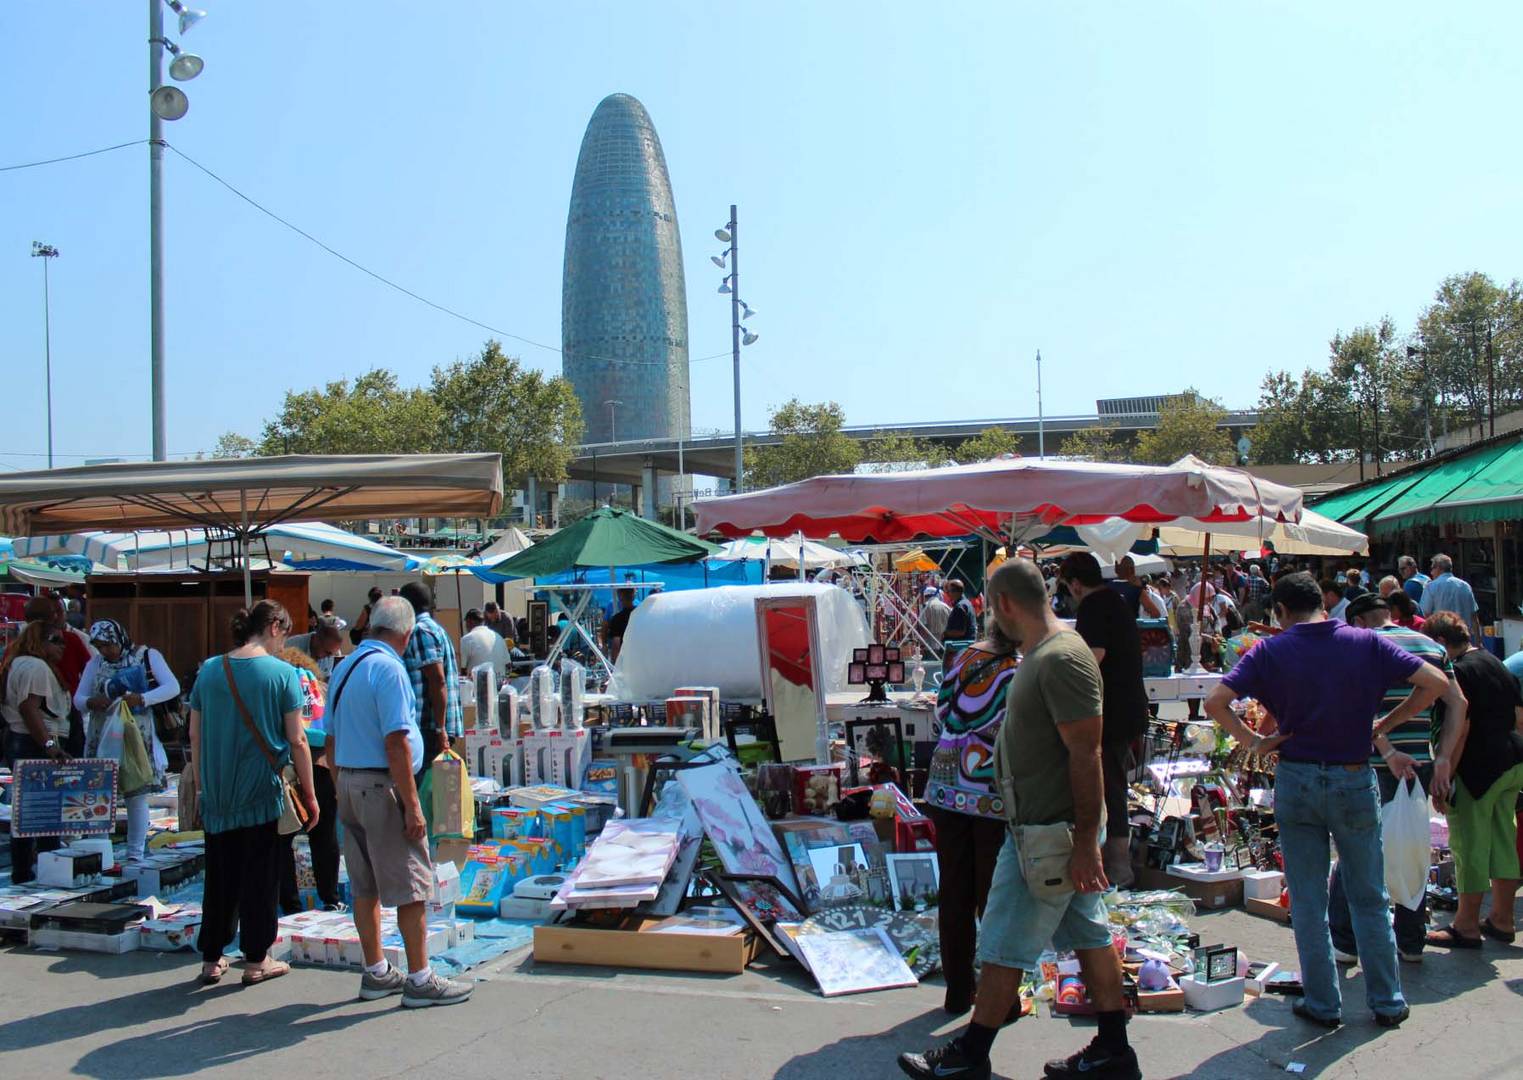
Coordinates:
<point>248,719</point>
<point>339,689</point>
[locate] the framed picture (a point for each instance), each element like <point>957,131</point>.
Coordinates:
<point>855,961</point>
<point>915,880</point>
<point>859,656</point>
<point>856,672</point>
<point>792,674</point>
<point>842,872</point>
<point>741,835</point>
<point>761,902</point>
<point>875,654</point>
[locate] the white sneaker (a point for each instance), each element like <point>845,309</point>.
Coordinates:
<point>1344,958</point>
<point>1410,957</point>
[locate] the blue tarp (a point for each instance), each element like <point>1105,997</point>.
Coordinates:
<point>674,577</point>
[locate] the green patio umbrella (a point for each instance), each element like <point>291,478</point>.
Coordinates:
<point>606,538</point>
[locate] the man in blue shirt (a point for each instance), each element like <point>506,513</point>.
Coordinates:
<point>377,749</point>
<point>1449,593</point>
<point>1413,580</point>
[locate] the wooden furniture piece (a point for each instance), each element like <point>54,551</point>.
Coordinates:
<point>187,616</point>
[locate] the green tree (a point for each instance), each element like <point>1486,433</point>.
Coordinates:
<point>230,444</point>
<point>896,453</point>
<point>813,444</point>
<point>1187,424</point>
<point>1470,345</point>
<point>371,415</point>
<point>1098,443</point>
<point>987,445</point>
<point>492,402</point>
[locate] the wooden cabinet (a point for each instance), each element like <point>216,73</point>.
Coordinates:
<point>187,617</point>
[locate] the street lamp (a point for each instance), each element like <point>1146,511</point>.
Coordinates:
<point>613,420</point>
<point>47,252</point>
<point>164,103</point>
<point>740,335</point>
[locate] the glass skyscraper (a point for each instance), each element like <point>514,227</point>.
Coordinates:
<point>623,298</point>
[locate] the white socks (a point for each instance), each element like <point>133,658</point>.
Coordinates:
<point>377,969</point>
<point>418,978</point>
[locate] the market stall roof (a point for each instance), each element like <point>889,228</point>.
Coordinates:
<point>245,492</point>
<point>606,537</point>
<point>311,545</point>
<point>509,543</point>
<point>1314,534</point>
<point>1008,495</point>
<point>1483,482</point>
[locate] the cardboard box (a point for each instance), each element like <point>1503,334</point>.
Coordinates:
<point>1208,895</point>
<point>1254,984</point>
<point>446,883</point>
<point>69,868</point>
<point>116,944</point>
<point>633,947</point>
<point>1268,909</point>
<point>172,932</point>
<point>1171,1000</point>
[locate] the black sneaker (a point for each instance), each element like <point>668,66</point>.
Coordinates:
<point>944,1061</point>
<point>1298,1006</point>
<point>1390,1020</point>
<point>1095,1062</point>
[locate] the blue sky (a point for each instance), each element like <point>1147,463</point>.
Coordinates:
<point>1153,195</point>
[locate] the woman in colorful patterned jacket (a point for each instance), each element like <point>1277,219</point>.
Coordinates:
<point>963,801</point>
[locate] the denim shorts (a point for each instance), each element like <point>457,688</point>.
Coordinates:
<point>1017,927</point>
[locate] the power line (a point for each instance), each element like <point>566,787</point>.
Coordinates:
<point>402,288</point>
<point>71,157</point>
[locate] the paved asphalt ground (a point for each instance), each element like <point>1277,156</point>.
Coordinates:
<point>140,1015</point>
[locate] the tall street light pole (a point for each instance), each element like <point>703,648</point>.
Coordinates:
<point>156,228</point>
<point>47,252</point>
<point>740,334</point>
<point>734,228</point>
<point>164,103</point>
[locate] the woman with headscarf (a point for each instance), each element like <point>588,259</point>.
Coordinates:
<point>35,709</point>
<point>122,671</point>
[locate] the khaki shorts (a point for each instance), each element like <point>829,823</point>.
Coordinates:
<point>383,863</point>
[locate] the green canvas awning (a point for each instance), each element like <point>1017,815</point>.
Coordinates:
<point>1353,507</point>
<point>1484,486</point>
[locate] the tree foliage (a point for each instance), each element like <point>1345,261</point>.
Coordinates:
<point>489,402</point>
<point>987,445</point>
<point>232,445</point>
<point>813,444</point>
<point>896,453</point>
<point>371,415</point>
<point>492,402</point>
<point>1383,388</point>
<point>1187,424</point>
<point>1098,443</point>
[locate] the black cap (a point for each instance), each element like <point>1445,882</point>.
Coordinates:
<point>1363,604</point>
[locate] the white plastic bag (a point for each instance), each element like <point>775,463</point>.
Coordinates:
<point>110,745</point>
<point>1404,835</point>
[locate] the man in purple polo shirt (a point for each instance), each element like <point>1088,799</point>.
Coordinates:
<point>1324,683</point>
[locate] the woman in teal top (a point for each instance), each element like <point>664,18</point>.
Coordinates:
<point>241,795</point>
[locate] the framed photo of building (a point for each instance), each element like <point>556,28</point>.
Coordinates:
<point>915,880</point>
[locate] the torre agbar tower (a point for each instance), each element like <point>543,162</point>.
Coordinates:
<point>623,298</point>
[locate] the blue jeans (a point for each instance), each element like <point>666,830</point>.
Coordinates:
<point>1313,803</point>
<point>1411,926</point>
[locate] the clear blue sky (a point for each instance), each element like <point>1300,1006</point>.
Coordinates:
<point>1153,195</point>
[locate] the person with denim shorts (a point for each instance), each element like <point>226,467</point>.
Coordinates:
<point>1323,682</point>
<point>1048,771</point>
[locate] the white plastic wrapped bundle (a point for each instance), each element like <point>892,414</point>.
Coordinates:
<point>573,686</point>
<point>484,680</point>
<point>707,637</point>
<point>543,707</point>
<point>507,711</point>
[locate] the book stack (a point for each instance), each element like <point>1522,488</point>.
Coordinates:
<point>624,867</point>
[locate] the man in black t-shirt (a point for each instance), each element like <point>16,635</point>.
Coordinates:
<point>613,630</point>
<point>1108,627</point>
<point>962,625</point>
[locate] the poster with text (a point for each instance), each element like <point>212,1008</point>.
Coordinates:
<point>64,798</point>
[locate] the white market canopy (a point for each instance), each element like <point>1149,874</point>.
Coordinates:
<point>1008,497</point>
<point>788,553</point>
<point>509,543</point>
<point>298,542</point>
